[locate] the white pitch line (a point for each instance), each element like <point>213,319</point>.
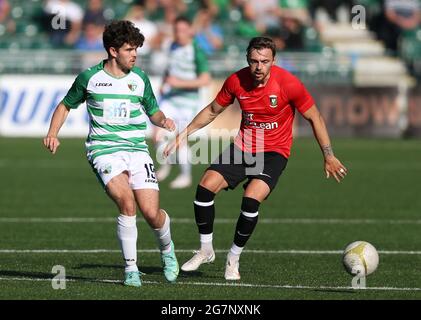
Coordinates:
<point>224,284</point>
<point>220,220</point>
<point>309,252</point>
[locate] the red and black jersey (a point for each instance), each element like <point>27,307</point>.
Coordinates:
<point>267,112</point>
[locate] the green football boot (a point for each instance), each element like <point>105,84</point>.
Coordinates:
<point>132,279</point>
<point>170,264</point>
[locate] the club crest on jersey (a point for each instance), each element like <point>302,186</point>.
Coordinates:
<point>107,169</point>
<point>273,101</point>
<point>132,85</point>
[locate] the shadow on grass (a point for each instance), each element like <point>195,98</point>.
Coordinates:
<point>49,276</point>
<point>349,291</point>
<point>37,276</point>
<point>149,270</point>
<point>144,269</point>
<point>190,274</point>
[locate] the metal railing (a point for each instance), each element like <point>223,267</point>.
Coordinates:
<point>321,67</point>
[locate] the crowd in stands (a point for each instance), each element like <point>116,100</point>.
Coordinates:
<point>6,20</point>
<point>79,24</point>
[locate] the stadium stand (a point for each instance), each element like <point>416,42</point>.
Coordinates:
<point>332,50</point>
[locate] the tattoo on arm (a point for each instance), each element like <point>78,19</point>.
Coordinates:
<point>327,150</point>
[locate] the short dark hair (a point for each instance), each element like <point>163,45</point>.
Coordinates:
<point>119,32</point>
<point>258,43</point>
<point>182,19</point>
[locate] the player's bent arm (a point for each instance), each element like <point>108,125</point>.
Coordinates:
<point>201,120</point>
<point>51,141</point>
<point>202,80</point>
<point>204,117</point>
<point>319,129</point>
<point>332,165</point>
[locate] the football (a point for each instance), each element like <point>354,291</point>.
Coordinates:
<point>360,257</point>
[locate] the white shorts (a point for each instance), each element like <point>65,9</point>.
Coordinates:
<point>139,166</point>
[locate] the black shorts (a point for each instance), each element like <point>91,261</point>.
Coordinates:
<point>236,166</point>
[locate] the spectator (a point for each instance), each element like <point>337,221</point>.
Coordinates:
<point>148,28</point>
<point>290,34</point>
<point>297,9</point>
<point>243,21</point>
<point>91,39</point>
<point>221,8</point>
<point>294,18</point>
<point>9,24</point>
<point>165,34</point>
<point>94,13</point>
<point>64,19</point>
<point>264,13</point>
<point>406,14</point>
<point>330,6</point>
<point>397,16</point>
<point>208,36</point>
<point>158,9</point>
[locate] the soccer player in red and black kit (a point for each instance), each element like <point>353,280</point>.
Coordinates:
<point>268,96</point>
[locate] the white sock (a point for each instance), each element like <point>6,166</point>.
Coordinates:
<point>206,242</point>
<point>163,235</point>
<point>127,235</point>
<point>184,158</point>
<point>235,252</point>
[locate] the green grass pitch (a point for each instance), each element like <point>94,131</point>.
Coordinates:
<point>53,212</point>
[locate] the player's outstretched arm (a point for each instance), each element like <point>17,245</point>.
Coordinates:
<point>333,167</point>
<point>51,142</point>
<point>202,119</point>
<point>160,120</point>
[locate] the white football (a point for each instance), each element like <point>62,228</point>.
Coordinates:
<point>360,257</point>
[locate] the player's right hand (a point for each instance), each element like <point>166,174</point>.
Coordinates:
<point>51,143</point>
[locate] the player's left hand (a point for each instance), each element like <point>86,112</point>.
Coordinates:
<point>168,124</point>
<point>333,167</point>
<point>173,145</point>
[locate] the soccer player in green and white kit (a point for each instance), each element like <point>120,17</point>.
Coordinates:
<point>119,99</point>
<point>187,72</point>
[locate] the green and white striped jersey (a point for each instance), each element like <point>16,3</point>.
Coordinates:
<point>118,109</point>
<point>186,63</point>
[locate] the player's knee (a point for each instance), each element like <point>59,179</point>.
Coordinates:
<point>250,205</point>
<point>212,182</point>
<point>205,182</point>
<point>203,194</point>
<point>127,205</point>
<point>152,217</point>
<point>128,209</point>
<point>150,211</point>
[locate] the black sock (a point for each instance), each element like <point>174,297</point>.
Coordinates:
<point>247,221</point>
<point>204,210</point>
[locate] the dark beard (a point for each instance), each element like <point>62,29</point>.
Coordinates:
<point>123,68</point>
